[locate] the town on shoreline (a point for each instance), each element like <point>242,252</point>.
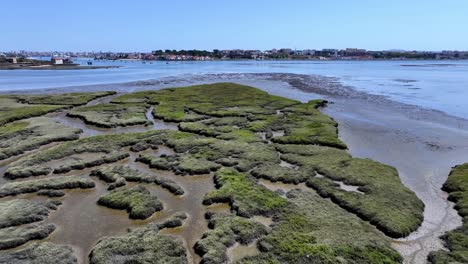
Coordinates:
<point>240,54</point>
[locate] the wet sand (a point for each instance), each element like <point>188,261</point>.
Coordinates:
<point>423,144</point>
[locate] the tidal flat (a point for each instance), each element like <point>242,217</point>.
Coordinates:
<point>225,156</point>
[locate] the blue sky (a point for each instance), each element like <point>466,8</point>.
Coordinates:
<point>145,25</point>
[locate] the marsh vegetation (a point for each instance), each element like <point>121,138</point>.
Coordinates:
<point>229,139</point>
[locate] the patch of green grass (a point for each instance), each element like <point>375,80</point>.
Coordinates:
<point>11,110</point>
<point>55,183</point>
<point>225,231</point>
<point>111,115</point>
<point>21,211</point>
<point>73,99</point>
<point>138,201</point>
<point>35,164</point>
<point>275,172</point>
<point>21,136</point>
<point>304,124</point>
<point>13,128</point>
<point>180,164</point>
<point>11,237</point>
<point>79,164</point>
<point>41,253</point>
<point>386,202</point>
<point>112,174</point>
<point>245,196</point>
<point>314,230</point>
<point>142,245</point>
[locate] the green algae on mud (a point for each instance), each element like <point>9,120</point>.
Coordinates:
<point>240,134</point>
<point>457,240</point>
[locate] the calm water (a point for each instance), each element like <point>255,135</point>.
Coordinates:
<point>441,85</point>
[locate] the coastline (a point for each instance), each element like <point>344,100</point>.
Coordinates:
<point>14,67</point>
<point>423,144</point>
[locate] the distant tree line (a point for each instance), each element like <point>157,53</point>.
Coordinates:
<point>215,53</point>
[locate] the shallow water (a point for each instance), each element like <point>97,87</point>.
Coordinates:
<point>434,84</point>
<point>348,188</point>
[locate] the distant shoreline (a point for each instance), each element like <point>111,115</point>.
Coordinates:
<point>55,68</point>
<point>52,67</point>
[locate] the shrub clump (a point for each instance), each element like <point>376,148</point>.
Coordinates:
<point>245,196</point>
<point>138,201</point>
<point>21,136</point>
<point>142,245</point>
<point>11,237</point>
<point>20,211</point>
<point>118,174</point>
<point>55,183</point>
<point>41,253</point>
<point>379,184</point>
<point>225,231</point>
<point>180,164</point>
<point>111,115</point>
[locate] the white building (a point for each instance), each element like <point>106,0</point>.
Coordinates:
<point>57,61</point>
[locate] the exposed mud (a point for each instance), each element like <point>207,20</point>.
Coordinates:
<point>238,251</point>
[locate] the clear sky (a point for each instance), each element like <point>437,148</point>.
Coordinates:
<point>145,25</point>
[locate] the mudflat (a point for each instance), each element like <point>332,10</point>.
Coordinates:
<point>198,172</point>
